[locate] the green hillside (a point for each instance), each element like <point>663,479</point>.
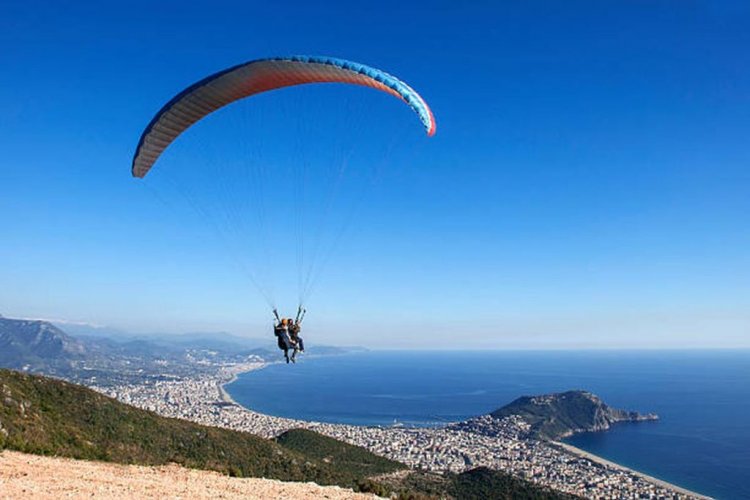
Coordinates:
<point>51,417</point>
<point>487,484</point>
<point>343,456</point>
<point>476,484</point>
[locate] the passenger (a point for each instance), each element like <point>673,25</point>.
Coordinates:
<point>299,344</point>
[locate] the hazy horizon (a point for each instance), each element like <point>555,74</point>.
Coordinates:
<point>515,341</point>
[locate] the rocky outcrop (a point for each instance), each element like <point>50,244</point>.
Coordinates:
<point>556,416</point>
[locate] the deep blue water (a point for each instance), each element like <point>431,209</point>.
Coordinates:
<point>702,441</point>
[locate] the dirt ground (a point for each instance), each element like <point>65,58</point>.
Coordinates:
<point>32,476</point>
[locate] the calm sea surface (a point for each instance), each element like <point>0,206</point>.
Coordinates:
<point>702,441</point>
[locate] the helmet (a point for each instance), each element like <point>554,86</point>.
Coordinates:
<point>284,321</point>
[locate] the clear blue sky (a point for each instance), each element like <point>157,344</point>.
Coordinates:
<point>588,185</point>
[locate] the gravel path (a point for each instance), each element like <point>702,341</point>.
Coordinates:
<point>33,476</point>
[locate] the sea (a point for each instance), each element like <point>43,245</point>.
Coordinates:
<point>701,442</point>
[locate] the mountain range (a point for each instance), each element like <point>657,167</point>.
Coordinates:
<point>39,346</point>
<point>104,356</point>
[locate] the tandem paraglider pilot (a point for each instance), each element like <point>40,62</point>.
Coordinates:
<point>248,79</point>
<point>287,334</point>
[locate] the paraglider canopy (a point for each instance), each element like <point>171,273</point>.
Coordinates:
<point>232,197</point>
<point>254,77</point>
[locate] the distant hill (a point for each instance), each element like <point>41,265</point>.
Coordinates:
<point>38,346</point>
<point>195,340</point>
<point>556,416</point>
<point>103,357</point>
<point>35,344</point>
<point>52,417</point>
<point>219,341</point>
<point>96,331</point>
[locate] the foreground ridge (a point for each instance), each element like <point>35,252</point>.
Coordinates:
<point>33,476</point>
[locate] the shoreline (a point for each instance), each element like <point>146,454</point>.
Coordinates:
<point>603,461</point>
<point>229,375</point>
<point>233,375</point>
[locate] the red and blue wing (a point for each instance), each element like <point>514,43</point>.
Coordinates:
<point>254,77</point>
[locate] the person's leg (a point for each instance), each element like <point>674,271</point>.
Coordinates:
<point>301,344</point>
<point>287,342</point>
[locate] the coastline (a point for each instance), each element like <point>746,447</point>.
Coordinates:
<point>225,397</point>
<point>487,442</point>
<point>608,463</point>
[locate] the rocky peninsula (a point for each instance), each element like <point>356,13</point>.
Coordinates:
<point>557,416</point>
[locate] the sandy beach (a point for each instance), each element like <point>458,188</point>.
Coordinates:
<point>596,458</point>
<point>232,376</point>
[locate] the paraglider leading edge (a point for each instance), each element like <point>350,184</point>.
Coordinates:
<point>254,77</point>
